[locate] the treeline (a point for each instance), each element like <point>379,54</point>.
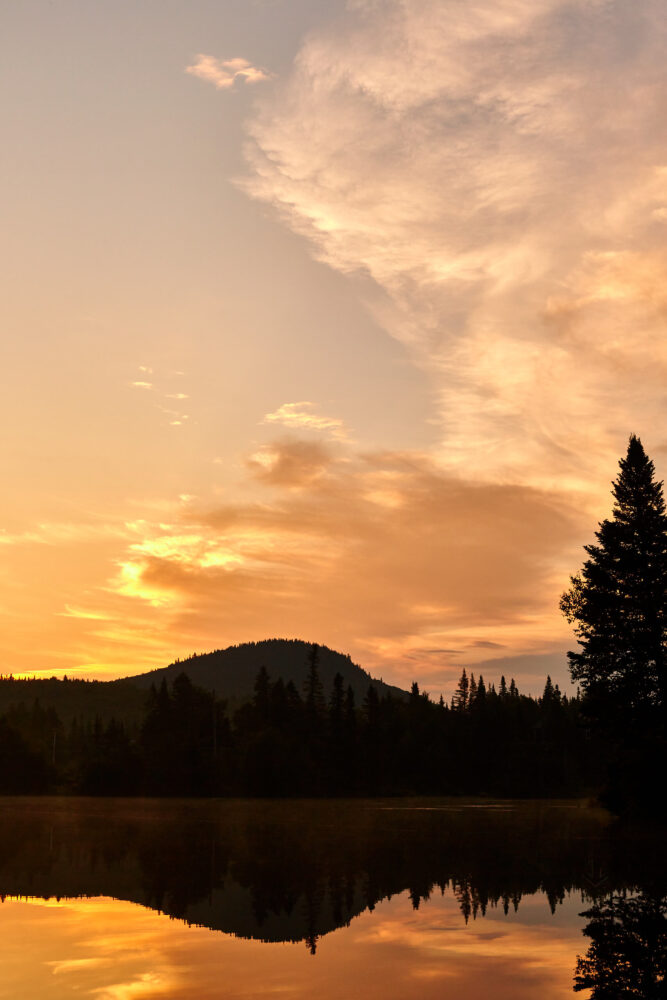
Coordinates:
<point>286,742</point>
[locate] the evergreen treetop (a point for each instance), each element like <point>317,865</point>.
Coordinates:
<point>618,601</point>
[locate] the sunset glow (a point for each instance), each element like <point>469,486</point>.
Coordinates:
<point>325,320</point>
<point>134,953</point>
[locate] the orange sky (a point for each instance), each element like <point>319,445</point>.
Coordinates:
<point>322,320</point>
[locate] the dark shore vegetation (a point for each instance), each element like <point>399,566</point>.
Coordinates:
<point>284,742</point>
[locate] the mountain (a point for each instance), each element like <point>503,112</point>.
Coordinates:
<point>231,672</point>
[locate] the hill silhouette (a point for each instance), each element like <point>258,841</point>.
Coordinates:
<point>231,672</point>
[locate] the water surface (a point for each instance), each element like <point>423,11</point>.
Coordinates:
<point>117,899</point>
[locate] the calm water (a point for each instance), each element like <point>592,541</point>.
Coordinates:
<point>135,900</point>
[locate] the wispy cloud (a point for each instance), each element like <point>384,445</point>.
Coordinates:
<point>497,170</point>
<point>83,613</point>
<point>65,533</point>
<point>303,416</point>
<point>226,73</point>
<point>176,415</point>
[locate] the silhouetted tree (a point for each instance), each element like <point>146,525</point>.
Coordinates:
<point>628,952</point>
<point>618,602</point>
<point>22,770</point>
<point>618,607</point>
<point>460,699</point>
<point>313,693</point>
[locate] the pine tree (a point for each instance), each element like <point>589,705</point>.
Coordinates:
<point>618,607</point>
<point>336,706</point>
<point>549,693</point>
<point>313,692</point>
<point>460,699</point>
<point>618,603</point>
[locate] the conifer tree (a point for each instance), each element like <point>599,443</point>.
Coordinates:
<point>549,693</point>
<point>618,603</point>
<point>336,706</point>
<point>460,699</point>
<point>313,692</point>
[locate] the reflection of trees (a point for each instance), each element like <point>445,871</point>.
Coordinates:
<point>294,871</point>
<point>628,952</point>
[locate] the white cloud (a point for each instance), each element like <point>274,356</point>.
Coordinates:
<point>226,73</point>
<point>301,416</point>
<point>498,170</point>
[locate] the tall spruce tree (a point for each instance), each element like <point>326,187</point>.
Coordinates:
<point>618,604</point>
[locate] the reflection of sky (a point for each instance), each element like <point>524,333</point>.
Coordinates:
<point>114,950</point>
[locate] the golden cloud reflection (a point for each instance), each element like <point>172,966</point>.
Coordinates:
<point>115,950</point>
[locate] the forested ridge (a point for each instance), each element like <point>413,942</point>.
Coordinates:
<point>486,741</point>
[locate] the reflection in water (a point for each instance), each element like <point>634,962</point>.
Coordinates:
<point>628,952</point>
<point>406,886</point>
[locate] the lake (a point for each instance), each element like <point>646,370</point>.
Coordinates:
<point>146,899</point>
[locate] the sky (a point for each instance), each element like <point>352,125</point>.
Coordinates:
<point>322,320</point>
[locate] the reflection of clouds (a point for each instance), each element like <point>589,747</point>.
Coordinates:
<point>523,956</point>
<point>497,169</point>
<point>77,965</point>
<point>55,939</point>
<point>146,984</point>
<point>112,950</point>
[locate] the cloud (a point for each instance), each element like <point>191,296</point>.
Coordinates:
<point>62,533</point>
<point>497,172</point>
<point>82,613</point>
<point>453,565</point>
<point>290,462</point>
<point>300,416</point>
<point>176,417</point>
<point>226,73</point>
